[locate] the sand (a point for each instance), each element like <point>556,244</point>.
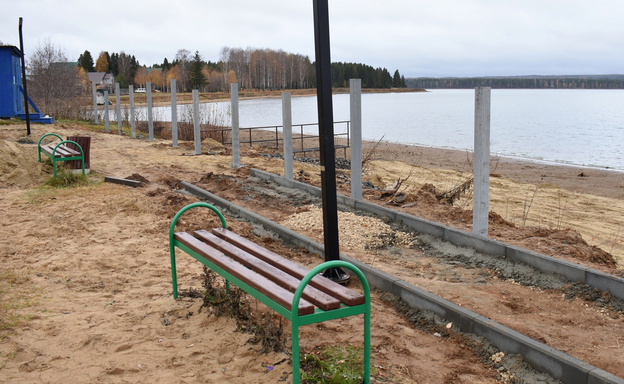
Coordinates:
<point>86,270</point>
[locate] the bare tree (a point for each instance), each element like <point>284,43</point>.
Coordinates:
<point>225,59</point>
<point>183,58</point>
<point>265,68</point>
<point>52,79</point>
<point>124,65</point>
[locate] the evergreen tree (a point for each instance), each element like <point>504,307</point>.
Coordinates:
<point>114,64</point>
<point>86,61</point>
<point>121,79</point>
<point>134,65</point>
<point>396,81</point>
<point>196,76</point>
<point>108,60</point>
<point>166,65</point>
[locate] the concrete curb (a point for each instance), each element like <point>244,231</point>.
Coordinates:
<point>542,357</point>
<point>573,272</point>
<point>116,180</point>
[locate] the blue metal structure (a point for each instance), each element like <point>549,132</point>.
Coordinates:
<point>11,91</point>
<point>11,99</point>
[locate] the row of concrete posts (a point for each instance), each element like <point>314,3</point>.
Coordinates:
<point>481,160</point>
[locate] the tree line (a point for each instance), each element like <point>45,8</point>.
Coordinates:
<point>552,82</point>
<point>371,77</point>
<point>251,68</point>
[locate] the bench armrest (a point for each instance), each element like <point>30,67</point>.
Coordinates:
<point>171,234</point>
<point>48,134</point>
<point>326,265</point>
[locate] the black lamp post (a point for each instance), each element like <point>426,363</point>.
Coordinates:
<point>24,80</point>
<point>326,139</point>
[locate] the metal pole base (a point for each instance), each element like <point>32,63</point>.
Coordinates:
<point>337,275</point>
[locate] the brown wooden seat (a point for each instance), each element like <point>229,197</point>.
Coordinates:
<point>251,278</point>
<point>284,286</point>
<point>323,284</point>
<point>281,278</point>
<point>61,151</point>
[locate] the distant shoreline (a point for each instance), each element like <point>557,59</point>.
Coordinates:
<point>160,99</point>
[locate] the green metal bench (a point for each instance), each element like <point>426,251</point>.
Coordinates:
<point>300,295</point>
<point>60,152</point>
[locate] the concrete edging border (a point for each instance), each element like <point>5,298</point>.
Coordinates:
<point>542,357</point>
<point>548,264</point>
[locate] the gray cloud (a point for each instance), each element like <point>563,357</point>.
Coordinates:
<point>420,38</point>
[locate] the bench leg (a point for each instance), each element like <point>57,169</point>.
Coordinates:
<point>295,352</point>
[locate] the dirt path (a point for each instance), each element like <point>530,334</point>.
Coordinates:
<point>88,269</point>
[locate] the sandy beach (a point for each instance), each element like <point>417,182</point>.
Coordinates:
<point>85,279</point>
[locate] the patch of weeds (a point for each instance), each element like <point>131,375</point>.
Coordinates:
<point>333,365</point>
<point>50,191</point>
<point>266,327</point>
<point>66,178</point>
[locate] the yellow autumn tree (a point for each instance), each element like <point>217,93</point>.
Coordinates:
<point>231,77</point>
<point>85,84</point>
<point>140,77</point>
<point>155,77</point>
<point>101,65</point>
<point>171,74</point>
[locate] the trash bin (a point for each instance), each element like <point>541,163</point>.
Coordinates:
<point>85,144</point>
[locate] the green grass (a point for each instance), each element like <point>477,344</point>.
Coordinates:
<point>333,365</point>
<point>65,178</point>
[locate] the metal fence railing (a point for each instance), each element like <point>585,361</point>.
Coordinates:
<point>302,142</point>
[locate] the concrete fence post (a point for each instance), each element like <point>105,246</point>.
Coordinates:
<point>480,209</point>
<point>287,136</point>
<point>355,86</point>
<point>106,117</point>
<point>132,119</point>
<point>118,107</point>
<point>95,110</point>
<point>150,116</point>
<point>196,122</point>
<point>174,114</point>
<point>235,126</point>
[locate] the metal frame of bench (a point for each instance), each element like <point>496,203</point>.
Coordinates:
<point>299,311</point>
<point>60,152</point>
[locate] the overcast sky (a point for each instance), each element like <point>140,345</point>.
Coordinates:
<point>418,37</point>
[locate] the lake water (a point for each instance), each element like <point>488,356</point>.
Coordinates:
<point>582,127</point>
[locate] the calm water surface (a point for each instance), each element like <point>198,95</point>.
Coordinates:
<point>583,127</point>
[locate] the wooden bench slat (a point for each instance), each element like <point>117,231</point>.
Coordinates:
<point>332,288</point>
<point>283,279</point>
<point>49,150</point>
<point>71,151</point>
<point>258,282</point>
<point>61,151</point>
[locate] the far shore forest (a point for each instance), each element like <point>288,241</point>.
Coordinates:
<point>251,68</point>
